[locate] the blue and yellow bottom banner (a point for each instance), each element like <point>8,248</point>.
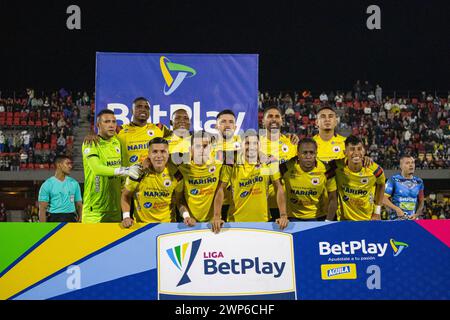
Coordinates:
<point>379,260</point>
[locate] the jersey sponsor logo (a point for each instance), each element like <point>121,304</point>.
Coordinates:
<point>251,181</point>
<point>133,158</point>
<point>168,68</point>
<point>113,163</point>
<point>154,194</point>
<point>315,181</point>
<point>336,149</point>
<point>194,192</point>
<point>304,192</point>
<point>202,181</point>
<point>355,191</point>
<point>139,146</point>
<point>148,205</point>
<point>338,271</point>
<point>244,194</point>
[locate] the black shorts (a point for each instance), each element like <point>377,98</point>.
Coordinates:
<point>62,217</point>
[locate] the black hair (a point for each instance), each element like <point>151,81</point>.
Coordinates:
<point>326,107</point>
<point>141,99</point>
<point>157,140</point>
<point>60,158</point>
<point>353,140</point>
<point>104,111</point>
<point>226,111</point>
<point>305,141</point>
<point>270,108</point>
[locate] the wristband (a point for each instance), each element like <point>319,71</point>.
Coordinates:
<point>185,214</point>
<point>377,210</point>
<point>126,215</point>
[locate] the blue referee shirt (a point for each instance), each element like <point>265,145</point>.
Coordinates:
<point>60,195</point>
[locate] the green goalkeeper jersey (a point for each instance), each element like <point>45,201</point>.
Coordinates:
<point>101,188</point>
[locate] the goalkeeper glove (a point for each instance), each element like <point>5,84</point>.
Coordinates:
<point>134,172</point>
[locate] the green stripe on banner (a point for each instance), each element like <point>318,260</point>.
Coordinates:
<point>17,238</point>
<point>177,252</point>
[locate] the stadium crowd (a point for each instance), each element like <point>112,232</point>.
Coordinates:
<point>389,126</point>
<point>35,129</point>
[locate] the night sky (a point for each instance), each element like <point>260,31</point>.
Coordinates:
<point>302,45</point>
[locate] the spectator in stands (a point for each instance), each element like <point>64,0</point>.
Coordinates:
<point>323,97</point>
<point>378,94</point>
<point>15,163</point>
<point>26,138</point>
<point>2,142</point>
<point>3,214</point>
<point>357,90</point>
<point>61,122</point>
<point>61,144</point>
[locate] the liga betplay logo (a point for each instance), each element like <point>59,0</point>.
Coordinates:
<point>181,70</point>
<point>397,246</point>
<point>177,255</point>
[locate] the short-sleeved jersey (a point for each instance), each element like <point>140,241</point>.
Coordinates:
<point>249,191</point>
<point>101,193</point>
<point>153,196</point>
<point>404,193</point>
<point>179,144</point>
<point>332,149</point>
<point>306,190</point>
<point>61,196</point>
<point>281,150</point>
<point>356,190</point>
<point>199,186</point>
<point>134,141</point>
<point>228,151</point>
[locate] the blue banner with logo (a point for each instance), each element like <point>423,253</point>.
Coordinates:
<point>406,260</point>
<point>203,84</point>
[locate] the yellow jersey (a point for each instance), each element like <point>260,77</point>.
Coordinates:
<point>356,190</point>
<point>134,141</point>
<point>249,191</point>
<point>305,191</point>
<point>282,150</point>
<point>179,144</point>
<point>199,186</point>
<point>229,152</point>
<point>153,196</point>
<point>332,149</point>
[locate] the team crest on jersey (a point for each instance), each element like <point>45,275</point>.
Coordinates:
<point>364,180</point>
<point>409,184</point>
<point>151,133</point>
<point>285,148</point>
<point>237,145</point>
<point>212,169</point>
<point>294,201</point>
<point>337,149</point>
<point>117,150</point>
<point>167,183</point>
<point>87,150</point>
<point>315,181</point>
